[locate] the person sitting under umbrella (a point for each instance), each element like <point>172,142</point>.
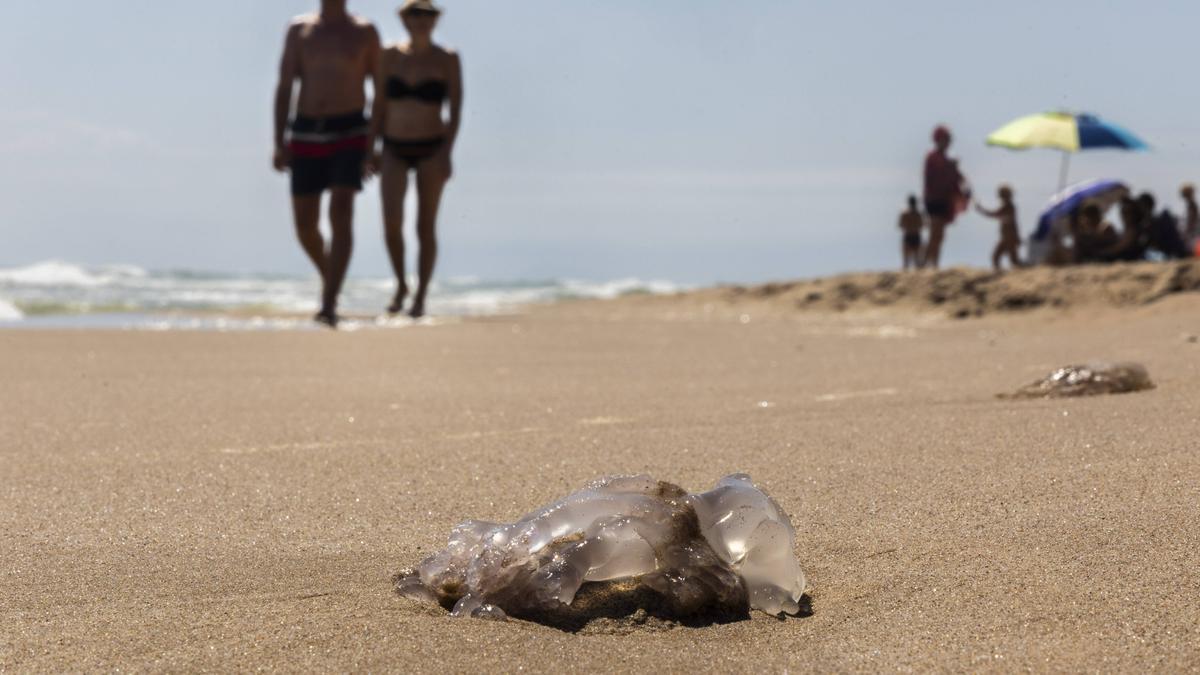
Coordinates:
<point>1163,229</point>
<point>1093,235</point>
<point>1135,235</point>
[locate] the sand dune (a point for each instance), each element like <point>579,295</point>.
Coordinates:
<point>965,293</point>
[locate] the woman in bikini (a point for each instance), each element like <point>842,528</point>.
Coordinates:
<point>415,85</point>
<point>946,194</point>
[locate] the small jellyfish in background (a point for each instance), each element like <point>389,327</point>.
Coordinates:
<point>1088,380</point>
<point>728,549</point>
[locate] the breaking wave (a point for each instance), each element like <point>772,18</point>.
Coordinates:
<point>62,289</point>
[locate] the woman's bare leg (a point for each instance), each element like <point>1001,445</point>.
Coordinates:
<point>431,181</point>
<point>394,189</point>
<point>933,251</point>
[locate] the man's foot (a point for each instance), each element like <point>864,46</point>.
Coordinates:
<point>418,309</point>
<point>327,317</point>
<point>397,305</point>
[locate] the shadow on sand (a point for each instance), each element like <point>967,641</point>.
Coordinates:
<point>627,607</point>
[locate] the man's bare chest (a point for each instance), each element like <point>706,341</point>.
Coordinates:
<point>326,49</point>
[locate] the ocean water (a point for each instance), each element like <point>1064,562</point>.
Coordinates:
<point>58,294</point>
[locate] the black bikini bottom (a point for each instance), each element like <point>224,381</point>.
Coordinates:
<point>413,152</point>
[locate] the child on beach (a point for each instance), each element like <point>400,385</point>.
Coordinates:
<point>1010,236</point>
<point>912,221</point>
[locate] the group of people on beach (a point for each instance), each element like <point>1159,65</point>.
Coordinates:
<point>1089,238</point>
<point>947,195</point>
<point>327,142</point>
<point>1144,233</point>
<point>325,139</point>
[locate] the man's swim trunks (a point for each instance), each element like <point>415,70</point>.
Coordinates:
<point>328,152</point>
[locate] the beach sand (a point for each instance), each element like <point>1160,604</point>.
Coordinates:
<point>219,501</point>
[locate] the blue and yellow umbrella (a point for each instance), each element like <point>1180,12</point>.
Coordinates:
<point>1068,132</point>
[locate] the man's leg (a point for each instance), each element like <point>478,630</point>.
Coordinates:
<point>306,210</point>
<point>341,245</point>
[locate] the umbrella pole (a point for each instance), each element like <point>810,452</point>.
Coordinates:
<point>1062,172</point>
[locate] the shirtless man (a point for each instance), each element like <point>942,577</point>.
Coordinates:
<point>912,222</point>
<point>332,54</point>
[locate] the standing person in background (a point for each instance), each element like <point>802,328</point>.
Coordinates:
<point>418,82</point>
<point>1163,227</point>
<point>1191,219</point>
<point>946,193</point>
<point>912,222</point>
<point>331,54</point>
<point>1010,234</point>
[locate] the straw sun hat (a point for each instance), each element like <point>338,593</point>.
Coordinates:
<point>420,6</point>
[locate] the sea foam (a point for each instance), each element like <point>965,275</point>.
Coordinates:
<point>9,311</point>
<point>59,273</point>
<point>61,289</point>
<point>728,549</point>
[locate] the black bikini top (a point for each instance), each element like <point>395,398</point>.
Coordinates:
<point>430,91</point>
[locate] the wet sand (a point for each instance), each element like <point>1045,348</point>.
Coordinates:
<point>207,501</point>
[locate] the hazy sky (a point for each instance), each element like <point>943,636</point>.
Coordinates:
<point>694,140</point>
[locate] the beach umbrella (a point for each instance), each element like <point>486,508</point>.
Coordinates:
<point>1056,217</point>
<point>1104,193</point>
<point>1068,132</point>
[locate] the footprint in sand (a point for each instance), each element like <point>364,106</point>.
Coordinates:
<point>604,421</point>
<point>845,396</point>
<point>470,435</point>
<point>301,447</point>
<point>279,447</point>
<point>888,332</point>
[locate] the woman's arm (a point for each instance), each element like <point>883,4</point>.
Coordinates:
<point>456,101</point>
<point>455,85</point>
<point>379,109</point>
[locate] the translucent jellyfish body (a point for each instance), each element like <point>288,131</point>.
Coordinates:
<point>729,549</point>
<point>1088,380</point>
